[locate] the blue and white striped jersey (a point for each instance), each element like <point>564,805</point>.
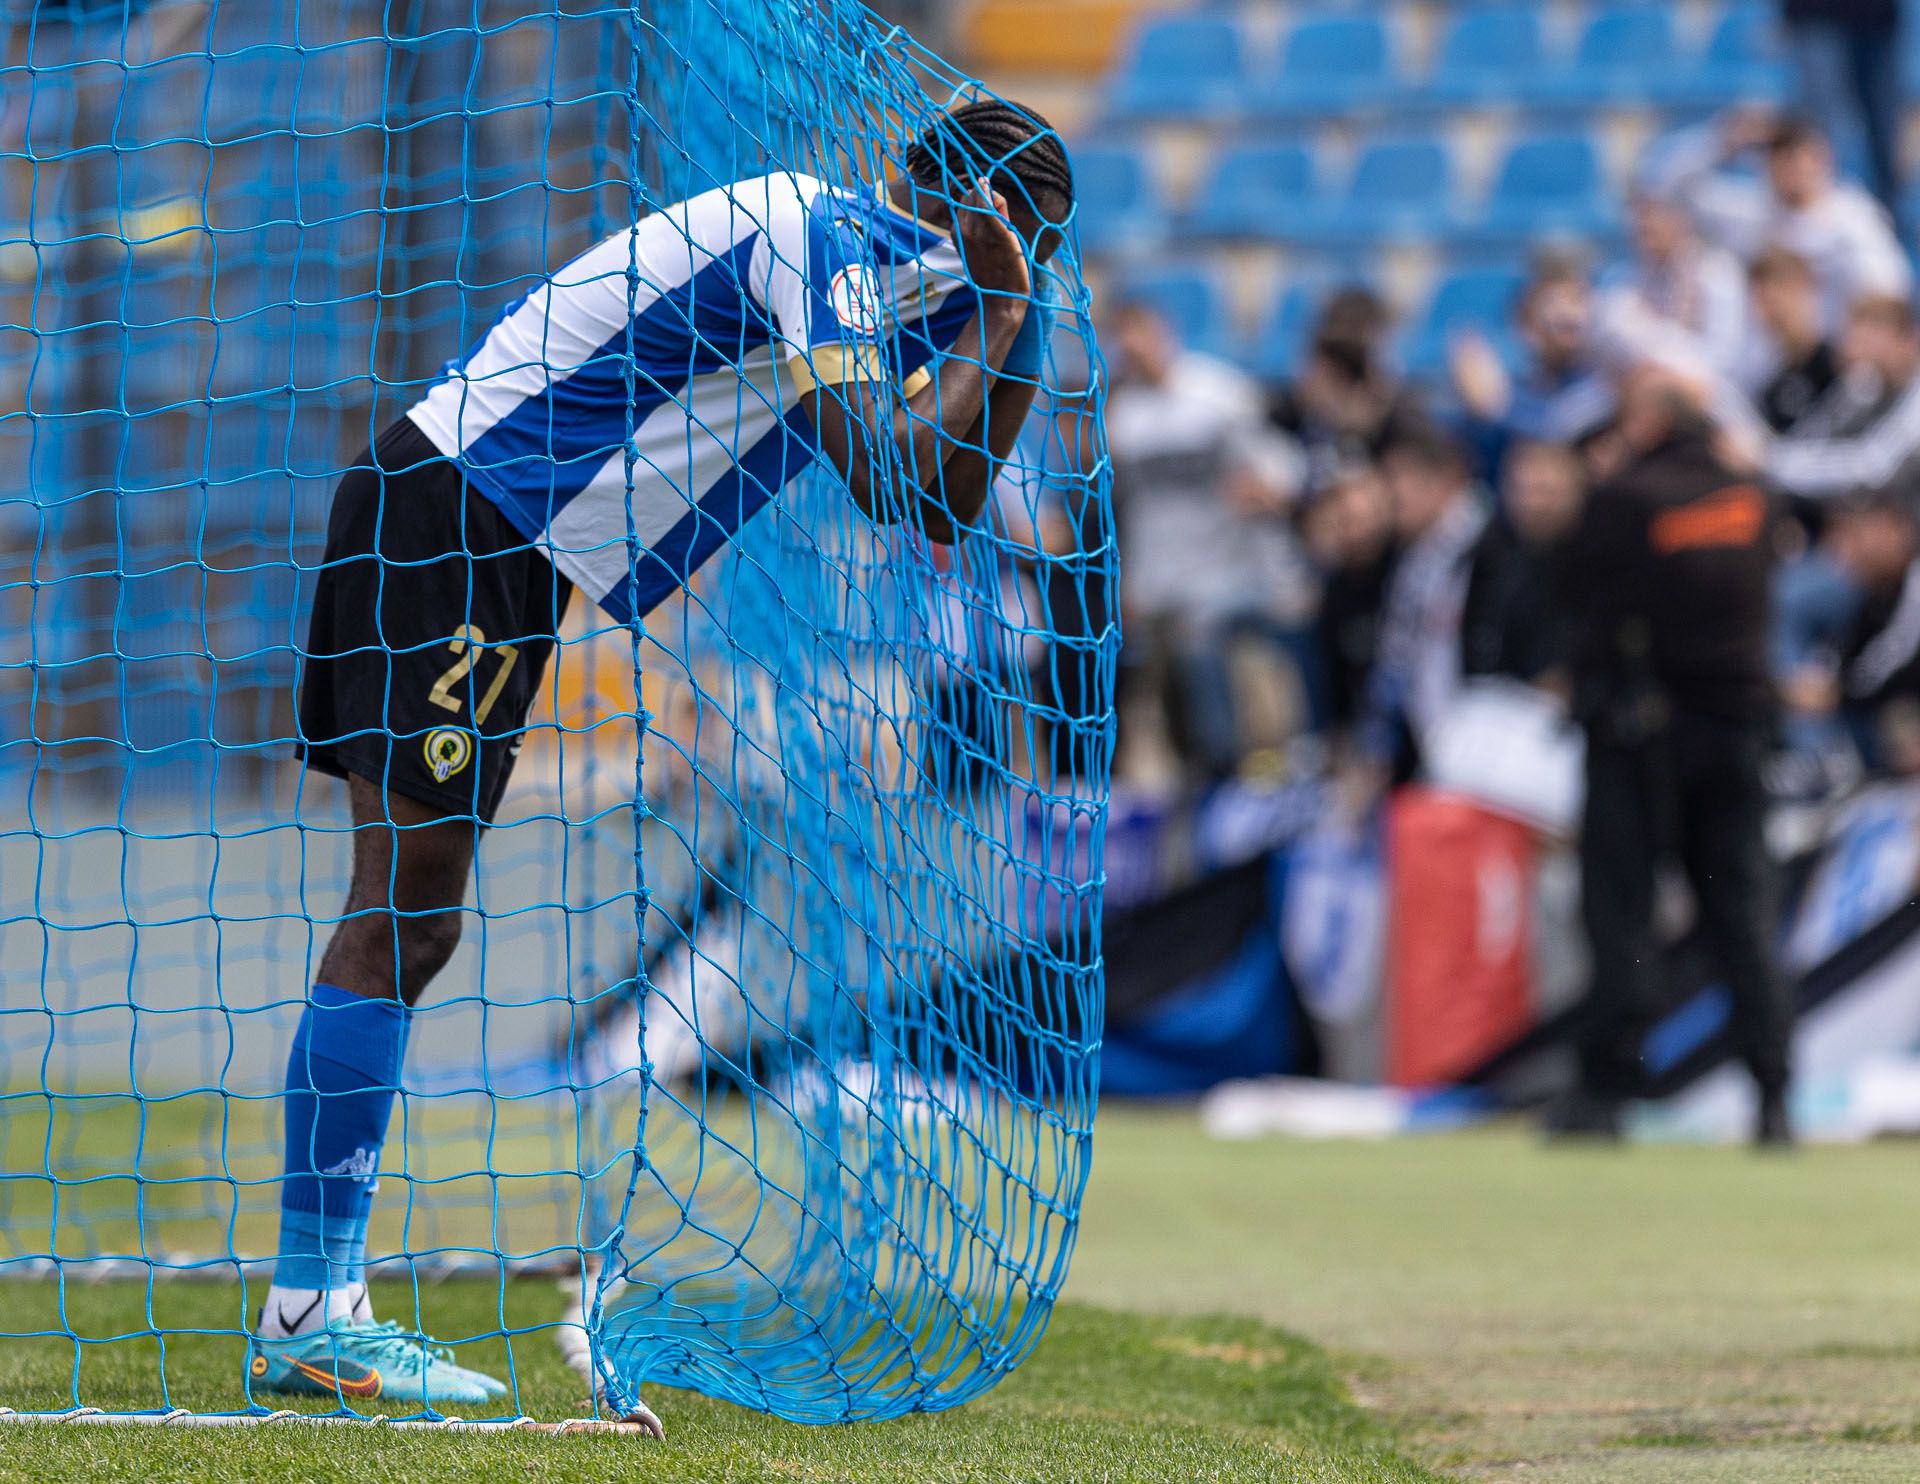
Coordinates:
<point>664,368</point>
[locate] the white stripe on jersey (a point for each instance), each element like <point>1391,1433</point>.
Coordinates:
<point>696,333</point>
<point>712,419</point>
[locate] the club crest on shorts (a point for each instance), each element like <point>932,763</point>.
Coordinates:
<point>448,752</point>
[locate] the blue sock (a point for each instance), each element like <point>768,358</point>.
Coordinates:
<point>341,1077</point>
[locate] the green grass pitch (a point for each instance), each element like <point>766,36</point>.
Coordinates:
<point>1468,1307</point>
<point>1110,1396</point>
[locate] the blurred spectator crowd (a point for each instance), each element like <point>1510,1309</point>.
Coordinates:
<point>1321,565</point>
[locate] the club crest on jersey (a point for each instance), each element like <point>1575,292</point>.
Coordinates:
<point>448,752</point>
<point>855,297</point>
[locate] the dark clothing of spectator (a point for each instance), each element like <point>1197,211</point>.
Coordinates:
<point>1880,663</point>
<point>1567,406</point>
<point>1880,657</point>
<point>1796,389</point>
<point>1349,632</point>
<point>1859,15</point>
<point>1416,672</point>
<point>1864,434</point>
<point>1847,54</point>
<point>1669,581</point>
<point>1328,446</point>
<point>1511,625</point>
<point>1693,790</point>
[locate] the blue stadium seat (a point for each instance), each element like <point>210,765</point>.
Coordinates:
<point>1118,205</point>
<point>1488,56</point>
<point>1402,189</point>
<point>1279,345</point>
<point>1479,299</point>
<point>1550,185</point>
<point>1190,300</point>
<point>1328,63</point>
<point>1182,67</point>
<point>1256,190</point>
<point>1627,54</point>
<point>1744,62</point>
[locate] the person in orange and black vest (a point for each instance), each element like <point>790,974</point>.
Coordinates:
<point>1667,582</point>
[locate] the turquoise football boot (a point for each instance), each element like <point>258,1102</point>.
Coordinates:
<point>356,1363</point>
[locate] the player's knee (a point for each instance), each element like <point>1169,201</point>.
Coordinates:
<point>425,946</point>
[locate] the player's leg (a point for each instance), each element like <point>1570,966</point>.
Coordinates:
<point>402,919</point>
<point>432,623</point>
<point>400,925</point>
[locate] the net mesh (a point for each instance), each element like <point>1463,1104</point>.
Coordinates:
<point>774,1018</point>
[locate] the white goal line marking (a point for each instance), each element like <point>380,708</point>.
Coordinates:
<point>189,1268</point>
<point>181,1417</point>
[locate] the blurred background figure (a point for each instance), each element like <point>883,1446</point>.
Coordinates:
<point>1870,679</point>
<point>1858,438</point>
<point>1349,397</point>
<point>1438,518</point>
<point>1669,580</point>
<point>1512,626</point>
<point>1846,56</point>
<point>1865,432</point>
<point>1561,393</point>
<point>1697,288</point>
<point>1349,530</point>
<point>1842,232</point>
<point>1794,364</point>
<point>1202,490</point>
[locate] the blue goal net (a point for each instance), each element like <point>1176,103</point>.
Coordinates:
<point>766,1062</point>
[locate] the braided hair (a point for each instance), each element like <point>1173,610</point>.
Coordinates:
<point>1003,141</point>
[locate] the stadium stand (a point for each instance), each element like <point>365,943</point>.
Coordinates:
<point>1190,299</point>
<point>1328,62</point>
<point>1275,349</point>
<point>1550,185</point>
<point>1183,67</point>
<point>1624,54</point>
<point>1485,56</point>
<point>1479,299</point>
<point>1256,190</point>
<point>1119,203</point>
<point>1743,59</point>
<point>1470,130</point>
<point>1402,189</point>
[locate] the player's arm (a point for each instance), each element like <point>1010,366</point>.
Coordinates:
<point>929,458</point>
<point>916,479</point>
<point>984,447</point>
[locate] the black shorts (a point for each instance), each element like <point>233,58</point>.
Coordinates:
<point>433,622</point>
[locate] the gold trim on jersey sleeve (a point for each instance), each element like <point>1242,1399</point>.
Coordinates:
<point>836,365</point>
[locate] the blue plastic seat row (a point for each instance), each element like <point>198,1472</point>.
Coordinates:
<point>1480,300</point>
<point>1204,66</point>
<point>1401,189</point>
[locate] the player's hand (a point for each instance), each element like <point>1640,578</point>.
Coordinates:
<point>1811,690</point>
<point>994,256</point>
<point>1479,377</point>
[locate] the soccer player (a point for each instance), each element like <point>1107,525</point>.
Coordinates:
<point>611,431</point>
